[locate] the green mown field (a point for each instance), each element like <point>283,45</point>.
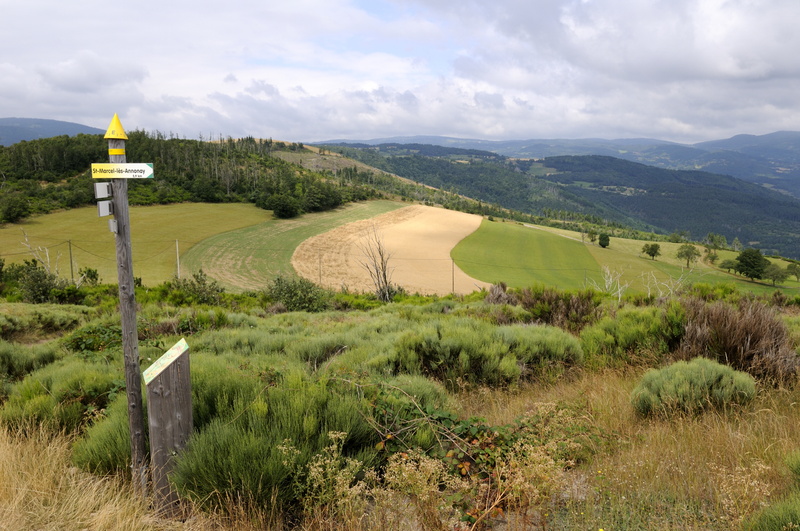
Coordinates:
<point>522,256</point>
<point>519,256</point>
<point>154,231</point>
<point>242,247</point>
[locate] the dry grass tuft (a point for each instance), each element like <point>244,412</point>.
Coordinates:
<point>40,489</point>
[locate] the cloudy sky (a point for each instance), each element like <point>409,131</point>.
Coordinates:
<point>310,70</point>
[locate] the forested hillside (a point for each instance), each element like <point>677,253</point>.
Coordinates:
<point>43,175</point>
<point>771,160</point>
<point>606,188</point>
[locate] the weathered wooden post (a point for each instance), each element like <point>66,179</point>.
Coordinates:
<point>119,172</point>
<point>169,409</point>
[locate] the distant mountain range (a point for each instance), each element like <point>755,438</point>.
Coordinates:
<point>13,130</point>
<point>771,160</point>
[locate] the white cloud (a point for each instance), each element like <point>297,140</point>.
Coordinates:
<point>310,70</point>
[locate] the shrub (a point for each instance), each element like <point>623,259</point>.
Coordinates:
<point>37,285</point>
<point>463,350</point>
<point>20,320</point>
<point>63,395</point>
<point>564,309</point>
<point>748,337</point>
<point>691,387</point>
<point>784,514</point>
<point>16,361</point>
<point>95,338</point>
<point>299,295</point>
<point>237,457</point>
<point>196,290</point>
<point>105,447</point>
<point>631,334</point>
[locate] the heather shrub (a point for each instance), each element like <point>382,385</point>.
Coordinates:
<point>64,395</point>
<point>237,456</point>
<point>299,295</point>
<point>244,342</point>
<point>691,387</point>
<point>542,350</point>
<point>463,350</point>
<point>18,360</point>
<point>21,319</point>
<point>105,447</point>
<point>564,309</point>
<point>632,334</point>
<point>781,515</point>
<point>318,349</point>
<point>749,337</point>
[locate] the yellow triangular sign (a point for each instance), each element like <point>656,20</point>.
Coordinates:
<point>115,129</point>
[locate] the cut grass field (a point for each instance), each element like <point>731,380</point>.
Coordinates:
<point>154,230</point>
<point>243,248</point>
<point>248,258</point>
<point>521,256</point>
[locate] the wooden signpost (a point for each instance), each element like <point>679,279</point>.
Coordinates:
<point>127,300</point>
<point>169,410</point>
<point>169,391</point>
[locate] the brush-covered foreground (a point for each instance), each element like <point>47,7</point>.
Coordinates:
<point>509,409</point>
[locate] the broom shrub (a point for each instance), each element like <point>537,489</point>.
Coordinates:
<point>691,387</point>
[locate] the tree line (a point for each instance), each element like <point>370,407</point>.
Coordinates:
<point>43,175</point>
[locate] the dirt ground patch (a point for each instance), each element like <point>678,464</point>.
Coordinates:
<point>419,239</point>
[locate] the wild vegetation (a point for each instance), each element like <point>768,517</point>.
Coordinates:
<point>671,405</point>
<point>523,408</point>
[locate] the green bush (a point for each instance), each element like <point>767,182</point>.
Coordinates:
<point>237,457</point>
<point>782,515</point>
<point>691,387</point>
<point>105,447</point>
<point>65,395</point>
<point>95,338</point>
<point>459,350</point>
<point>16,360</point>
<point>632,334</point>
<point>198,289</point>
<point>38,285</point>
<point>299,295</point>
<point>21,319</point>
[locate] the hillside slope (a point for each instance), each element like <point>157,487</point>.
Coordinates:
<point>13,130</point>
<point>600,188</point>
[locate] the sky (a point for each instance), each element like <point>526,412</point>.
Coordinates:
<point>314,70</point>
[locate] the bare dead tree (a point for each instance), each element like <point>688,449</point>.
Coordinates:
<point>665,288</point>
<point>376,263</point>
<point>41,255</point>
<point>612,283</point>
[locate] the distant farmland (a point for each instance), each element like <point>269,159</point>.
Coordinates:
<point>243,248</point>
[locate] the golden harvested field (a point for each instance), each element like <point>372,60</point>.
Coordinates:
<point>418,238</point>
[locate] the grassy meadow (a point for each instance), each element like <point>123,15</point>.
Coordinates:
<point>537,425</point>
<point>521,255</point>
<point>243,247</point>
<point>154,230</point>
